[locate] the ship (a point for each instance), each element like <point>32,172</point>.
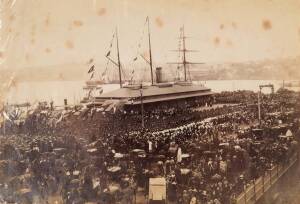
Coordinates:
<point>160,91</point>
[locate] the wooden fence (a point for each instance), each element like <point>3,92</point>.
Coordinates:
<point>257,189</point>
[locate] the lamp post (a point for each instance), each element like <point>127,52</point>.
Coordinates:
<point>259,111</point>
<point>4,120</point>
<point>142,105</point>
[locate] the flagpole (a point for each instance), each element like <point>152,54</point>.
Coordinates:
<point>142,106</point>
<point>119,63</point>
<point>150,53</point>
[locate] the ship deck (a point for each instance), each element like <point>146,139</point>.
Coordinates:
<point>151,94</point>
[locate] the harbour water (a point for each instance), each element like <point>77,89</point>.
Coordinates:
<point>57,91</point>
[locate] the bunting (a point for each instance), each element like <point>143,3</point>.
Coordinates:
<point>110,46</point>
<point>141,38</point>
<point>89,94</point>
<point>5,115</point>
<point>92,76</point>
<point>91,69</point>
<point>132,74</point>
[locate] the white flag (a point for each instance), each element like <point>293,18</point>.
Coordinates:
<point>6,116</point>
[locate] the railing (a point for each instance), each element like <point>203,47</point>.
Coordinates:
<point>257,189</point>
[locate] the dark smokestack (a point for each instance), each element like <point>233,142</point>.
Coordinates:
<point>158,73</point>
<point>66,103</point>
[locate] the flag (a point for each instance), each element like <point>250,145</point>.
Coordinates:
<point>132,73</point>
<point>59,119</point>
<point>92,75</point>
<point>91,69</point>
<point>179,155</point>
<point>6,116</point>
<point>108,54</point>
<point>90,91</point>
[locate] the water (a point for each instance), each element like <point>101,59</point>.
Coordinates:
<point>72,90</point>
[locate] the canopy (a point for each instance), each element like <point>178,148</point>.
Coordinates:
<point>289,133</point>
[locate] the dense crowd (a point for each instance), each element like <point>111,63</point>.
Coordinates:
<point>207,155</point>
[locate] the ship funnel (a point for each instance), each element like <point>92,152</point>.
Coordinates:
<point>159,76</point>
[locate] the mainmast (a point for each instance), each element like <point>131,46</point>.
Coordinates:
<point>184,51</point>
<point>150,53</point>
<point>119,63</point>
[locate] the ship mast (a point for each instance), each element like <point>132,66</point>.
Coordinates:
<point>150,53</point>
<point>119,63</point>
<point>184,51</point>
<point>184,58</point>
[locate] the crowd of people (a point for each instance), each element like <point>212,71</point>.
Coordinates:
<point>206,155</point>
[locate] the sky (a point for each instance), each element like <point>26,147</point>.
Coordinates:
<point>41,33</point>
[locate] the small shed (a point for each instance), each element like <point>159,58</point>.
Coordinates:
<point>157,190</point>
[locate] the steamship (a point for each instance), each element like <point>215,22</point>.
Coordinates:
<point>160,92</point>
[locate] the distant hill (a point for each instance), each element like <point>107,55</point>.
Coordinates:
<point>267,69</point>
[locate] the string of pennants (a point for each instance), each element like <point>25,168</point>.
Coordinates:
<point>108,54</point>
<point>138,53</point>
<point>91,70</point>
<point>140,40</point>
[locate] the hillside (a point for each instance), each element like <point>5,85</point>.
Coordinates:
<point>268,69</point>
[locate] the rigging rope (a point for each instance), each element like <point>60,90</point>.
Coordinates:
<point>108,53</point>
<point>138,50</point>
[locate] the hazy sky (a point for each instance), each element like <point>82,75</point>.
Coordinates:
<point>54,32</point>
